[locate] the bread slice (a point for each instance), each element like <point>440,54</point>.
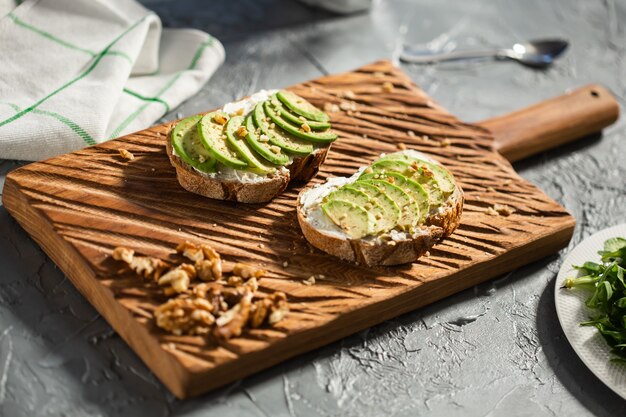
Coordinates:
<point>374,250</point>
<point>233,189</point>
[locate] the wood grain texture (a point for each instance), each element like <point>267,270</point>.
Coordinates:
<point>80,206</point>
<point>553,122</point>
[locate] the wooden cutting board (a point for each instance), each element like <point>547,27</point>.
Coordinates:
<point>80,206</point>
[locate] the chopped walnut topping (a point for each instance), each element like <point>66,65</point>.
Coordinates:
<point>401,146</point>
<point>388,87</point>
<point>185,316</point>
<point>242,132</point>
<point>126,154</point>
<point>123,254</point>
<point>264,138</point>
<point>201,158</point>
<point>275,149</point>
<point>239,112</point>
<point>305,127</point>
<point>309,281</point>
<point>220,118</point>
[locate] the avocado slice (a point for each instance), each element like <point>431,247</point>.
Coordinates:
<point>241,147</point>
<point>423,177</point>
<point>214,140</point>
<point>365,202</point>
<point>391,209</point>
<point>186,142</point>
<point>412,188</point>
<point>300,106</point>
<point>352,219</point>
<point>409,210</point>
<point>326,136</point>
<point>278,137</point>
<point>443,177</point>
<point>294,118</point>
<point>254,138</point>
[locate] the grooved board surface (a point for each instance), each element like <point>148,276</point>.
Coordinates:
<point>80,206</point>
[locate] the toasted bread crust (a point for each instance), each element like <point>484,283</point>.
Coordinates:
<point>377,252</point>
<point>301,169</point>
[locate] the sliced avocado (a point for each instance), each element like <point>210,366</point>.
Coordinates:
<point>214,140</point>
<point>425,178</point>
<point>391,209</point>
<point>325,137</point>
<point>241,147</point>
<point>294,118</point>
<point>412,188</point>
<point>263,147</point>
<point>409,210</point>
<point>186,143</point>
<point>352,219</point>
<point>442,175</point>
<point>365,202</point>
<point>279,137</point>
<point>302,107</point>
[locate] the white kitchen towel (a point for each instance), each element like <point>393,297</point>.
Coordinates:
<point>78,72</point>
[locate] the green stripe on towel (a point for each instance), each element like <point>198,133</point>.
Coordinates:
<point>166,87</point>
<point>95,63</point>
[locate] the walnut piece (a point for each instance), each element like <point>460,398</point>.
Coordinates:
<point>185,316</point>
<point>242,132</point>
<point>220,119</point>
<point>190,251</point>
<point>247,271</point>
<point>231,323</point>
<point>123,254</point>
<point>178,279</point>
<point>126,154</point>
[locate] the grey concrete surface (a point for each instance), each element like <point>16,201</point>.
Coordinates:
<point>494,350</point>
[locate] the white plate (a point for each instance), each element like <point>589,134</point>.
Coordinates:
<point>571,310</point>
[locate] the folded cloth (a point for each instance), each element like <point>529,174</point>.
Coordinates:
<point>79,72</point>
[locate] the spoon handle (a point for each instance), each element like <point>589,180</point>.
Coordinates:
<point>553,122</point>
<point>416,58</point>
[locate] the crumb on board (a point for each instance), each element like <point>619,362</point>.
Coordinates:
<point>410,133</point>
<point>401,146</point>
<point>388,87</point>
<point>445,143</point>
<point>285,264</point>
<point>126,154</point>
<point>309,281</point>
<point>379,74</point>
<point>331,107</point>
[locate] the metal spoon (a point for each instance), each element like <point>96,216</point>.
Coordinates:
<point>537,54</point>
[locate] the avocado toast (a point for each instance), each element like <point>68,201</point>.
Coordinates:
<point>249,150</point>
<point>389,213</point>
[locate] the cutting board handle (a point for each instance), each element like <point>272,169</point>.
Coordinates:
<point>553,122</point>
